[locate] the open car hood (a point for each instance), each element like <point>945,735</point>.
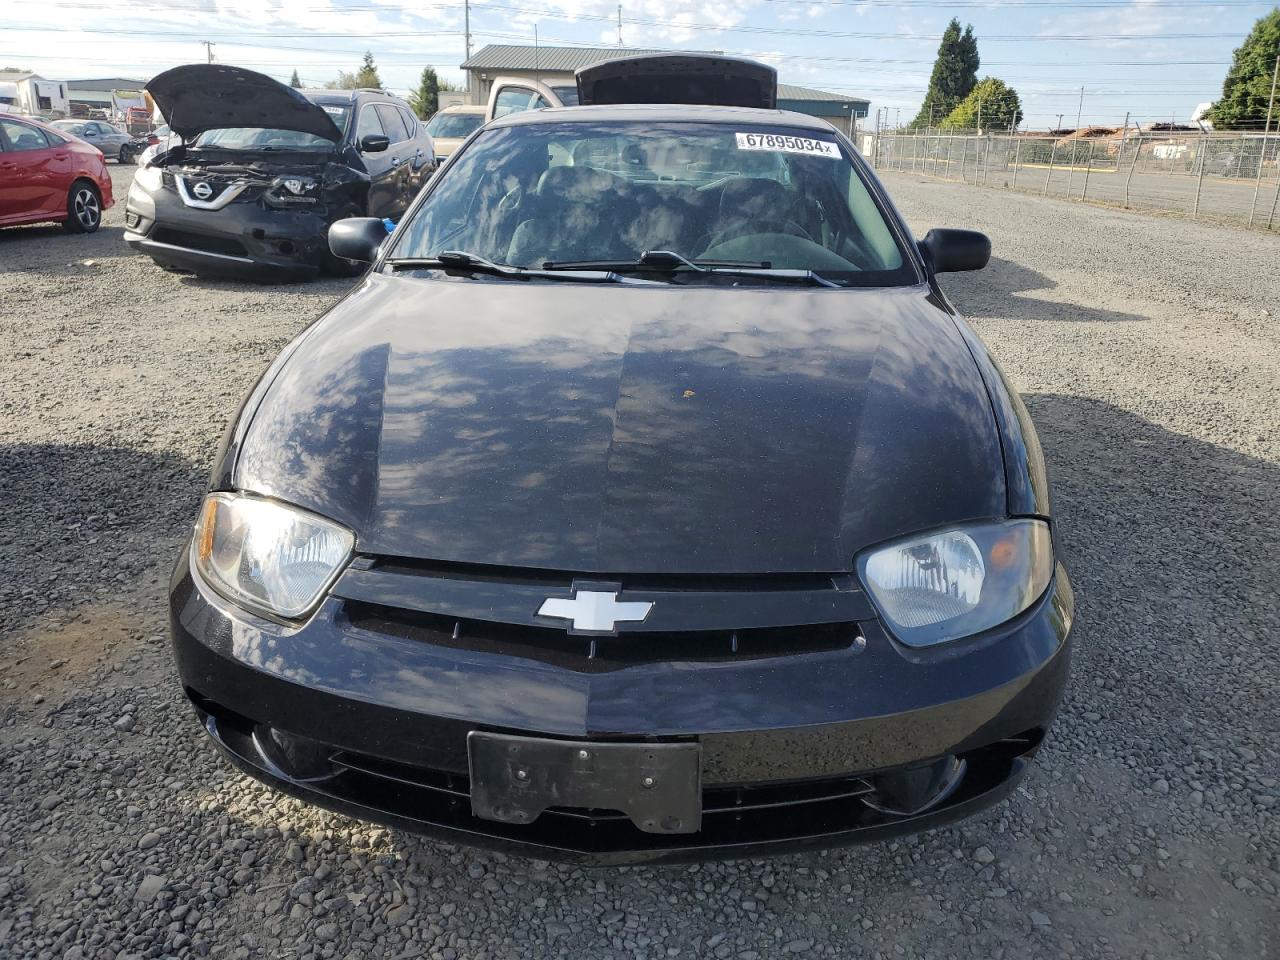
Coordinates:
<point>209,96</point>
<point>680,78</point>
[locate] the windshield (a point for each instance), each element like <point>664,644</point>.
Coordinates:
<point>573,192</point>
<point>259,138</point>
<point>455,124</point>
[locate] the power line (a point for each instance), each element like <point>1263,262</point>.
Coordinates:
<point>696,27</point>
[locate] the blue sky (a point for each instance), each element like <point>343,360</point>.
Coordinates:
<point>1156,59</point>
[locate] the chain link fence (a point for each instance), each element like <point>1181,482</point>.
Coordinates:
<point>1232,178</point>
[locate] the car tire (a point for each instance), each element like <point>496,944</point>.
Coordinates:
<point>126,156</point>
<point>337,266</point>
<point>84,208</point>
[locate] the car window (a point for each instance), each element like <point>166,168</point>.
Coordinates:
<point>610,190</point>
<point>369,125</point>
<point>392,122</point>
<point>22,137</point>
<point>568,95</point>
<point>512,100</point>
<point>410,121</point>
<point>454,124</point>
<point>539,102</point>
<point>75,129</point>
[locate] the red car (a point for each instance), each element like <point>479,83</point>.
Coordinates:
<point>46,175</point>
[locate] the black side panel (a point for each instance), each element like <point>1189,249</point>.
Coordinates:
<point>1026,479</point>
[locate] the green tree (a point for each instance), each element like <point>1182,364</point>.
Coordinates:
<point>1247,89</point>
<point>954,74</point>
<point>992,104</point>
<point>366,76</point>
<point>295,81</point>
<point>426,99</point>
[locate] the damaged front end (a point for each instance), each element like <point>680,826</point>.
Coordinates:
<point>263,216</point>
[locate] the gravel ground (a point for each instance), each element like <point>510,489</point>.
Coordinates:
<point>1147,350</point>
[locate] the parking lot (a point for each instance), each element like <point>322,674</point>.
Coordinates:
<point>1148,350</point>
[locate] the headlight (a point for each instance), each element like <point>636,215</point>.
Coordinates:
<point>149,178</point>
<point>958,582</point>
<point>294,188</point>
<point>268,556</point>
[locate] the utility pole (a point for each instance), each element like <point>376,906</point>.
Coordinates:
<point>619,24</point>
<point>208,51</point>
<point>466,25</point>
<point>1266,135</point>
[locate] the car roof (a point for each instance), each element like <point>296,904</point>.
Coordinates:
<point>350,96</point>
<point>665,113</point>
<point>465,108</point>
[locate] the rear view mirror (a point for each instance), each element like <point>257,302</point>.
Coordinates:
<point>374,143</point>
<point>357,238</point>
<point>951,251</point>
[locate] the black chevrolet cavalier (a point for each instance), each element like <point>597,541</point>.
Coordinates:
<point>646,500</point>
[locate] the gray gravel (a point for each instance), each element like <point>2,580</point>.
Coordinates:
<point>1147,349</point>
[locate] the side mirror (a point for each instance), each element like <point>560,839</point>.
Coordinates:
<point>951,251</point>
<point>374,143</point>
<point>357,238</point>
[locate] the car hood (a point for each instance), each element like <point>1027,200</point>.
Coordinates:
<point>210,96</point>
<point>617,429</point>
<point>447,146</point>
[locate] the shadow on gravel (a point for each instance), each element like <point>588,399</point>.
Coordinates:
<point>83,522</point>
<point>50,249</point>
<point>1007,289</point>
<point>322,284</point>
<point>1171,543</point>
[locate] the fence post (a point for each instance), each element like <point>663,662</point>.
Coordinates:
<point>1017,153</point>
<point>1202,157</point>
<point>1088,166</point>
<point>1053,155</point>
<point>1274,200</point>
<point>986,162</point>
<point>1266,135</point>
<point>1137,149</point>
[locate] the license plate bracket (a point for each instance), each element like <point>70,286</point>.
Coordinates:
<point>657,785</point>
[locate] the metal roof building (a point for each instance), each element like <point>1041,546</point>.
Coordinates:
<point>555,65</point>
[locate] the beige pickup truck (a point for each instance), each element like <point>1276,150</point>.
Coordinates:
<point>514,94</point>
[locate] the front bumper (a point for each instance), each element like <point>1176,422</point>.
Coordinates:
<point>240,241</point>
<point>792,747</point>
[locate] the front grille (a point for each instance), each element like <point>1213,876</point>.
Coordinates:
<point>690,617</point>
<point>598,654</point>
<point>199,241</point>
<point>717,802</point>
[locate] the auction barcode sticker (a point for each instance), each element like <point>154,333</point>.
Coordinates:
<point>779,143</point>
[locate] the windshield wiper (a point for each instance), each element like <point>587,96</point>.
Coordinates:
<point>663,260</point>
<point>776,273</point>
<point>667,261</point>
<point>470,262</point>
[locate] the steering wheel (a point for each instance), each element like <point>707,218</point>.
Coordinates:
<point>747,228</point>
<point>511,200</point>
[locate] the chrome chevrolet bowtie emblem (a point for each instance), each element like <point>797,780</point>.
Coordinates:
<point>594,611</point>
<point>202,190</point>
